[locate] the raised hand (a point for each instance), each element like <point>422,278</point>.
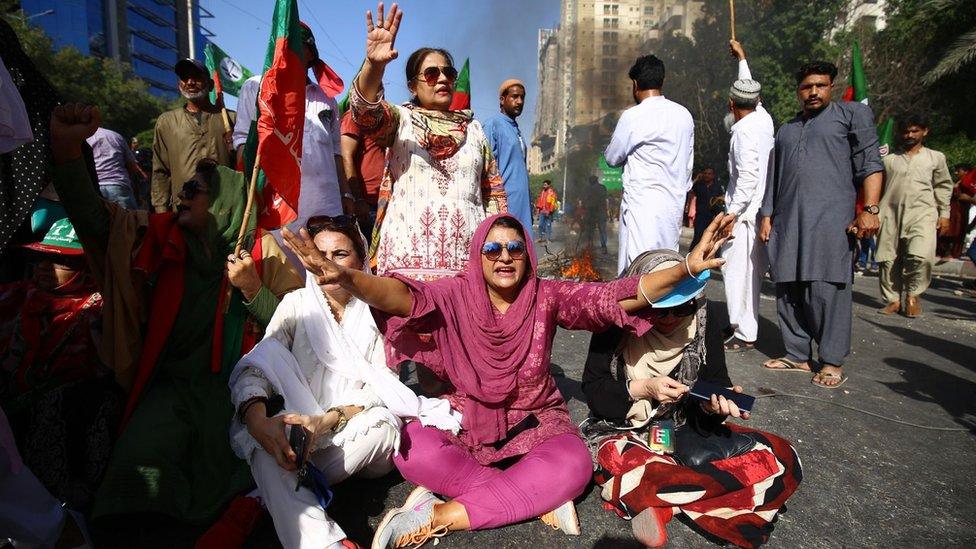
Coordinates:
<point>735,50</point>
<point>381,35</point>
<point>314,261</point>
<point>717,233</point>
<point>71,125</point>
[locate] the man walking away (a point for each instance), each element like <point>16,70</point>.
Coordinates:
<point>745,256</point>
<point>821,157</point>
<point>508,147</point>
<point>915,207</point>
<point>116,168</point>
<point>545,207</point>
<point>595,204</point>
<point>654,142</point>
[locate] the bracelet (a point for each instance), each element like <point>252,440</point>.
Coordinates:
<point>687,268</point>
<point>343,420</point>
<point>640,288</point>
<point>242,411</point>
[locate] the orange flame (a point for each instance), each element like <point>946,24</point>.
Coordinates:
<point>582,268</point>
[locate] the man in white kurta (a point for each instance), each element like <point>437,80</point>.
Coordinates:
<point>320,194</point>
<point>750,148</point>
<point>654,142</point>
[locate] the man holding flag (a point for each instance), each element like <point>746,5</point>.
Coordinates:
<point>323,189</point>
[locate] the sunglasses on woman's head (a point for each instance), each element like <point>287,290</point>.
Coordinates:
<point>319,223</point>
<point>432,74</point>
<point>680,311</point>
<point>493,250</point>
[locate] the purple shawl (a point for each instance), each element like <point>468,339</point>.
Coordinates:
<point>480,351</point>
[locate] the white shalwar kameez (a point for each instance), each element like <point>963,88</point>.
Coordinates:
<point>654,141</point>
<point>316,363</point>
<point>745,255</point>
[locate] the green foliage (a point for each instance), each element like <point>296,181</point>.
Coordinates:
<point>126,104</point>
<point>957,147</point>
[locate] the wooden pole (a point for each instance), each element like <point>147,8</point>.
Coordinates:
<point>732,17</point>
<point>250,203</point>
<point>226,117</point>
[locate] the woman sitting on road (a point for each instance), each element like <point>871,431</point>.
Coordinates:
<point>491,330</point>
<point>731,481</point>
<point>322,359</point>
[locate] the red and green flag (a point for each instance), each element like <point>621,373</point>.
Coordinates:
<point>858,91</point>
<point>462,89</point>
<point>276,135</point>
<point>228,75</point>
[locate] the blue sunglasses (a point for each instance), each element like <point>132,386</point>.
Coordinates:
<point>493,250</point>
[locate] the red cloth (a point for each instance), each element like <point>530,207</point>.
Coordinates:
<point>370,158</point>
<point>546,202</point>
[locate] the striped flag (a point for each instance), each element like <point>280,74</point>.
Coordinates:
<point>462,89</point>
<point>858,91</point>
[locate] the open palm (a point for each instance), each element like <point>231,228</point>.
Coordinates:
<point>703,256</point>
<point>325,270</point>
<point>381,34</point>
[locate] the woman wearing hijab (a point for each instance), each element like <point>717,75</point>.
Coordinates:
<point>322,359</point>
<point>205,310</point>
<point>518,455</point>
<point>730,480</point>
<point>440,178</point>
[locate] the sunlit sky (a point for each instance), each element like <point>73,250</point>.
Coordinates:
<point>499,36</point>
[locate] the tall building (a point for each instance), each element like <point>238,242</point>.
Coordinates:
<point>583,82</point>
<point>870,13</point>
<point>150,35</point>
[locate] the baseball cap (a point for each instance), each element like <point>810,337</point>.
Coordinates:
<point>60,239</point>
<point>187,67</point>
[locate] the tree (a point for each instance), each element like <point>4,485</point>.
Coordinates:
<point>126,104</point>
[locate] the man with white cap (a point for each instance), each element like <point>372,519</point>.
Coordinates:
<point>749,152</point>
<point>508,148</point>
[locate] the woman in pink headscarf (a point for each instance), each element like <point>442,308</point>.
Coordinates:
<point>518,454</point>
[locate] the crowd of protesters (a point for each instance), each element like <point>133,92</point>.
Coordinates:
<point>162,352</point>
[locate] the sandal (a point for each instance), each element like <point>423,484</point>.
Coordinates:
<point>736,345</point>
<point>787,365</point>
<point>820,376</point>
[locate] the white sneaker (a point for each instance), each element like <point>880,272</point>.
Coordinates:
<point>563,518</point>
<point>410,525</point>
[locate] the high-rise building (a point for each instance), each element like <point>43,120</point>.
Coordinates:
<point>150,35</point>
<point>583,82</point>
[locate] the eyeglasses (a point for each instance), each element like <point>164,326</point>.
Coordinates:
<point>432,74</point>
<point>319,223</point>
<point>192,188</point>
<point>493,250</point>
<point>681,311</point>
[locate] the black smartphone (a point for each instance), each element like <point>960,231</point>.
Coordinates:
<point>704,390</point>
<point>298,440</point>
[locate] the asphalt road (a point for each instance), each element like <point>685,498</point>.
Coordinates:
<point>868,482</point>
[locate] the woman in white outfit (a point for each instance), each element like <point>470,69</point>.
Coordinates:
<point>323,356</point>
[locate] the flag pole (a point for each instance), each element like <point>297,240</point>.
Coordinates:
<point>250,203</point>
<point>732,17</point>
<point>226,117</point>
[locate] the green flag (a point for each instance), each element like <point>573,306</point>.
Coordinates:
<point>858,91</point>
<point>228,75</point>
<point>462,89</point>
<point>612,178</point>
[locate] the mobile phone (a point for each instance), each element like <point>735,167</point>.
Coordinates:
<point>298,440</point>
<point>704,390</point>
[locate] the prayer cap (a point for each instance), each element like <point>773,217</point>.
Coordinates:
<point>508,84</point>
<point>745,90</point>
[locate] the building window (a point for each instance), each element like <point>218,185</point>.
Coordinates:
<point>605,103</point>
<point>649,10</point>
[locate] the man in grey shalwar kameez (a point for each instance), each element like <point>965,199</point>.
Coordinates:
<point>822,156</point>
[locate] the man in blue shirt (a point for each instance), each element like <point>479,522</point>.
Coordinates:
<point>508,147</point>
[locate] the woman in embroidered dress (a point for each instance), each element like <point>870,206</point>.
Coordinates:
<point>441,178</point>
<point>518,455</point>
<point>321,365</point>
<point>729,480</point>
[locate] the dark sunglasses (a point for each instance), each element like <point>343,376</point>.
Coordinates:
<point>192,188</point>
<point>680,311</point>
<point>319,223</point>
<point>493,250</point>
<point>432,74</point>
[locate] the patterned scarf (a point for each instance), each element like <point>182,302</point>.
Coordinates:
<point>440,133</point>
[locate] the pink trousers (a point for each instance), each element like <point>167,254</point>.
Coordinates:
<point>551,474</point>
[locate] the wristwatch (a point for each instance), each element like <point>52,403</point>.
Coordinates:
<point>350,196</point>
<point>873,209</point>
<point>343,420</point>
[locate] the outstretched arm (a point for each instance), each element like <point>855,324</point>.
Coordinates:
<point>655,285</point>
<point>380,50</point>
<point>383,293</point>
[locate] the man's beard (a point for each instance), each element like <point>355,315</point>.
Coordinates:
<point>193,96</point>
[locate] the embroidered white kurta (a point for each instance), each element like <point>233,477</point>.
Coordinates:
<point>654,142</point>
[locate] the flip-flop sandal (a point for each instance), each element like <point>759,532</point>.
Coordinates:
<point>736,345</point>
<point>828,375</point>
<point>789,366</point>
